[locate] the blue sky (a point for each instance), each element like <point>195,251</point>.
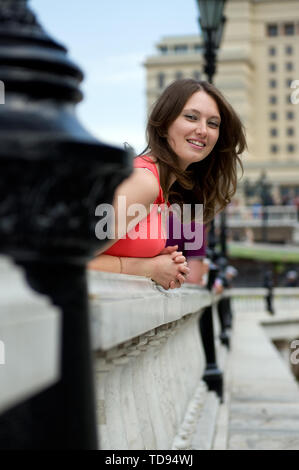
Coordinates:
<point>110,40</point>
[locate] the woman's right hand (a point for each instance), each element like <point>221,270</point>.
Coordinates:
<point>170,269</point>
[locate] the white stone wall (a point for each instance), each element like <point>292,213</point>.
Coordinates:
<point>149,363</point>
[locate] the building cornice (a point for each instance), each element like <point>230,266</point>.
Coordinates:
<point>179,40</point>
<point>174,59</point>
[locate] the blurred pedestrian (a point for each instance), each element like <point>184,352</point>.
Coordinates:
<point>222,284</point>
<point>269,285</point>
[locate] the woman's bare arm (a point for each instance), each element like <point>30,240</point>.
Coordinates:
<point>168,269</point>
<point>140,188</point>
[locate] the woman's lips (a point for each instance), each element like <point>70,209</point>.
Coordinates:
<point>197,144</point>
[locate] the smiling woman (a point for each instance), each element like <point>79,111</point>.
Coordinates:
<point>195,139</point>
<point>194,133</point>
<point>197,111</point>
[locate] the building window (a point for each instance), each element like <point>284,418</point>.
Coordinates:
<point>179,75</point>
<point>272,83</point>
<point>290,115</point>
<point>273,132</point>
<point>181,49</point>
<point>274,148</point>
<point>164,49</point>
<point>291,148</point>
<point>273,116</point>
<point>289,50</point>
<point>161,80</point>
<point>272,67</point>
<point>272,50</point>
<point>289,29</point>
<point>272,30</point>
<point>288,99</point>
<point>289,66</point>
<point>273,99</point>
<point>196,75</point>
<point>197,47</point>
<point>288,82</point>
<point>290,131</point>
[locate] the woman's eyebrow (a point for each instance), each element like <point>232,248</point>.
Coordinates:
<point>196,111</point>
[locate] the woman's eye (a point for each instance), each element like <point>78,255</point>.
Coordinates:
<point>191,116</point>
<point>214,124</point>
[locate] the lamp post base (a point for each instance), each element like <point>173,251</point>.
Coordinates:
<point>214,380</point>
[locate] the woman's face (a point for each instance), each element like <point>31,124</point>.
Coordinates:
<point>194,133</point>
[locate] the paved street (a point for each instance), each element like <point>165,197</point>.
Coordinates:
<point>261,407</point>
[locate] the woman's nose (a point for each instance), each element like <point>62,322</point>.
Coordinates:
<point>201,128</point>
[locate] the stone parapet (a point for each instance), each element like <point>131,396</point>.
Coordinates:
<point>148,358</point>
<point>149,364</point>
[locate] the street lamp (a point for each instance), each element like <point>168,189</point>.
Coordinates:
<point>211,23</point>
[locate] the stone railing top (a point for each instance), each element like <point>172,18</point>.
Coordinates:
<point>246,291</point>
<point>124,307</point>
<point>291,291</point>
<point>261,291</point>
<point>29,338</point>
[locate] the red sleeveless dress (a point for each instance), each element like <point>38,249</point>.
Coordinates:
<point>152,237</point>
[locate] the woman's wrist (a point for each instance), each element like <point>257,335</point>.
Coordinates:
<point>121,267</point>
<point>137,266</point>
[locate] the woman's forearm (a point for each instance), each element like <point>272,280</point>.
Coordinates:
<point>138,266</point>
<point>123,265</point>
<point>168,269</point>
<point>105,263</point>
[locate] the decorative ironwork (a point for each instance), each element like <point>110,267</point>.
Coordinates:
<point>53,175</point>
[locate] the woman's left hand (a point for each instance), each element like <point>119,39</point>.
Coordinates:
<point>177,257</point>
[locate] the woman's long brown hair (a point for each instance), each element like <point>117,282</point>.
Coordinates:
<point>212,181</point>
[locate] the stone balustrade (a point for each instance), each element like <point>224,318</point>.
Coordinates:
<point>149,358</point>
<point>149,364</point>
<point>253,298</point>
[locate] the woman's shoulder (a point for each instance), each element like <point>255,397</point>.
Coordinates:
<point>141,187</point>
<point>143,161</point>
<point>149,162</point>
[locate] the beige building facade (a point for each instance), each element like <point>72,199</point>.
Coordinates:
<point>258,64</point>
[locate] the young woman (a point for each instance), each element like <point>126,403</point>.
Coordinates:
<point>194,142</point>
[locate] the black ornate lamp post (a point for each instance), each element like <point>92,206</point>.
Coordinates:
<point>53,175</point>
<point>211,23</point>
